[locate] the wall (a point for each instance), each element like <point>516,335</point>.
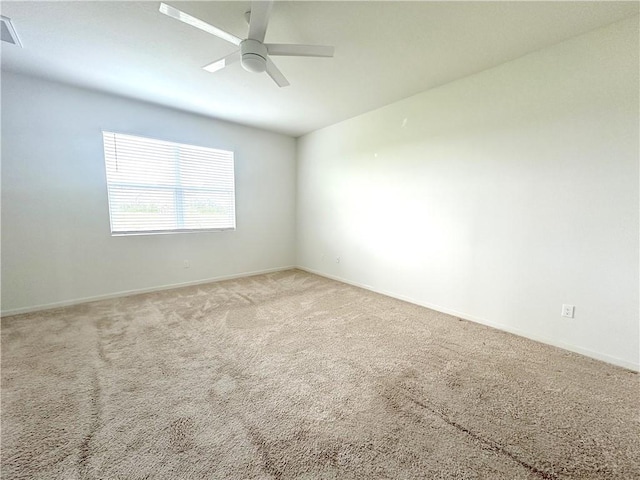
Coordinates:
<point>56,242</point>
<point>497,198</point>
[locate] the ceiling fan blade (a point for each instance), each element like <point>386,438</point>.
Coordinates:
<point>259,19</point>
<point>195,22</point>
<point>223,62</point>
<point>290,50</point>
<point>276,74</point>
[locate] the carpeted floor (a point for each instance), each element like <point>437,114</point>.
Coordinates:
<point>290,375</point>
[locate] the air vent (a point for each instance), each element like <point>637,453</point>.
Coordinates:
<point>9,34</point>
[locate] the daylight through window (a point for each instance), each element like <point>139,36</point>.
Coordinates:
<point>164,187</point>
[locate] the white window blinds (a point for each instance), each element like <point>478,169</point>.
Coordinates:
<point>164,187</point>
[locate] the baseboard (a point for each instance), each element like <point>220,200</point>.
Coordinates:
<point>127,293</point>
<point>565,346</point>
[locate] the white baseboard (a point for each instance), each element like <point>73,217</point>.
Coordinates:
<point>565,346</point>
<point>127,293</point>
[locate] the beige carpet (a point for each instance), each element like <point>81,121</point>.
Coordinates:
<point>291,375</point>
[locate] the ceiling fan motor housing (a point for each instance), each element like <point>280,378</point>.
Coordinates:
<point>254,56</point>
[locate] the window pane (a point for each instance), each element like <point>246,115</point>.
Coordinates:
<point>141,163</point>
<point>207,209</point>
<point>212,171</point>
<point>136,209</point>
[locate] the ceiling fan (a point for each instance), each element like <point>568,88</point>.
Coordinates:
<point>254,55</point>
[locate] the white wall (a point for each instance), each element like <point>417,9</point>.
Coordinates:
<point>497,197</point>
<point>56,242</point>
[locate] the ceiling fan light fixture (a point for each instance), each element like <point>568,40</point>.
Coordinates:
<point>252,62</point>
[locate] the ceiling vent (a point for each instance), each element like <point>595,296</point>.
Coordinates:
<point>9,34</point>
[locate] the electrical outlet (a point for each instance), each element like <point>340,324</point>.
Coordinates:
<point>568,311</point>
<point>186,264</point>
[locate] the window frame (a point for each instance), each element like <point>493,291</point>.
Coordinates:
<point>177,188</point>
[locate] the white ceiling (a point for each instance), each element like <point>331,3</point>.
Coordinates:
<point>385,51</point>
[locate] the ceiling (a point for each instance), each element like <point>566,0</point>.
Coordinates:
<point>385,51</point>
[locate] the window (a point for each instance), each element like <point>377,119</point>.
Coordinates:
<point>164,187</point>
